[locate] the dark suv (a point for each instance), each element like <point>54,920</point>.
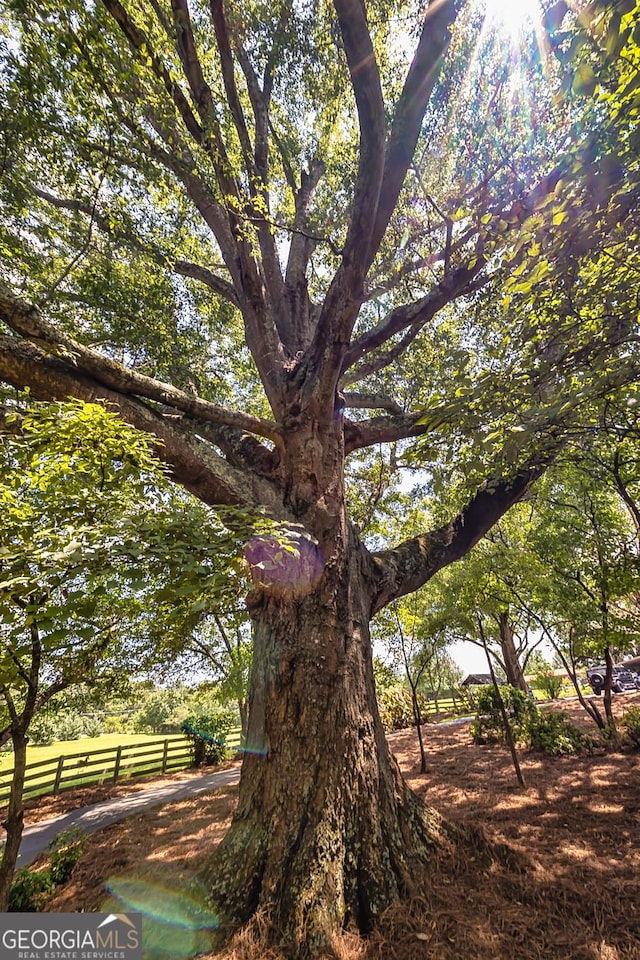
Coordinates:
<point>622,679</point>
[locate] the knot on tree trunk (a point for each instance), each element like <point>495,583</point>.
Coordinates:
<point>285,568</point>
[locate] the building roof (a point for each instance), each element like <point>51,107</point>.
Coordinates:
<point>478,680</point>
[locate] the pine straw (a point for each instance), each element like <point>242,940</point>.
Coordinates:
<point>469,909</point>
<point>563,883</point>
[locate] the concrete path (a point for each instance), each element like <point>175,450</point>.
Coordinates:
<point>38,836</point>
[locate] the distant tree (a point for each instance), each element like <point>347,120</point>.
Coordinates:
<point>585,537</point>
<point>68,485</point>
<point>158,707</point>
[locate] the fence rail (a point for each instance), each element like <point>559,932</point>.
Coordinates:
<point>447,702</point>
<point>100,766</point>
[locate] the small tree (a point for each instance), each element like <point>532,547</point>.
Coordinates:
<point>415,649</point>
<point>67,483</point>
<point>75,586</point>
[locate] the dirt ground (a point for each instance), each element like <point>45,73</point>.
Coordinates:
<point>558,880</point>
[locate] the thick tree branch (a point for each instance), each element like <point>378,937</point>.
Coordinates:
<point>195,271</point>
<point>258,190</point>
<point>411,108</point>
<point>141,44</point>
<point>224,221</point>
<point>172,153</point>
<point>192,461</point>
<point>411,564</point>
<point>228,77</point>
<point>367,89</point>
<point>367,433</point>
<point>27,321</point>
<point>302,246</point>
<point>371,401</point>
<point>346,291</point>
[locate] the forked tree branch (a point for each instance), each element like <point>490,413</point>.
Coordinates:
<point>192,461</point>
<point>27,321</point>
<point>411,108</point>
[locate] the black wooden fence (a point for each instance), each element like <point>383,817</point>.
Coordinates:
<point>100,766</point>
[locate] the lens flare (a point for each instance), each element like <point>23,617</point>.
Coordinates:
<point>170,906</point>
<point>175,925</point>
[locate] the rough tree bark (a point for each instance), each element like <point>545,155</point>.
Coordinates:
<point>326,833</point>
<point>326,830</point>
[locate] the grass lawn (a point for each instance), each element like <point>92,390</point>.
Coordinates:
<point>85,745</point>
<point>104,742</point>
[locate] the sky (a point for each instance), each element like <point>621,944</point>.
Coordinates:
<point>469,657</point>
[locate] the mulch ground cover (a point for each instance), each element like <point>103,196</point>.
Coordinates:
<point>548,872</point>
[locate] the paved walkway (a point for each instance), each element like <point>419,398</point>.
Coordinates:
<point>38,836</point>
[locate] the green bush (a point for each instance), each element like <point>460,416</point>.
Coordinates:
<point>396,709</point>
<point>551,732</point>
<point>207,734</point>
<point>93,726</point>
<point>549,685</point>
<point>488,726</point>
<point>69,727</point>
<point>546,730</point>
<point>66,849</point>
<point>631,723</point>
<point>31,889</point>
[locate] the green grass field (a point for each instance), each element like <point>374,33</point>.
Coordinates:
<point>84,744</point>
<point>105,741</point>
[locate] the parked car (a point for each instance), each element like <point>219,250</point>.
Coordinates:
<point>622,680</point>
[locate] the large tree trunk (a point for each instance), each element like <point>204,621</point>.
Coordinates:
<point>325,826</point>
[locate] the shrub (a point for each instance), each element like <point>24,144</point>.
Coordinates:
<point>69,727</point>
<point>396,708</point>
<point>207,734</point>
<point>549,685</point>
<point>66,849</point>
<point>488,726</point>
<point>631,723</point>
<point>93,726</point>
<point>546,730</point>
<point>31,889</point>
<point>552,732</point>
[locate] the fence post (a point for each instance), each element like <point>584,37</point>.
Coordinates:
<point>56,782</point>
<point>116,768</point>
<point>165,754</point>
